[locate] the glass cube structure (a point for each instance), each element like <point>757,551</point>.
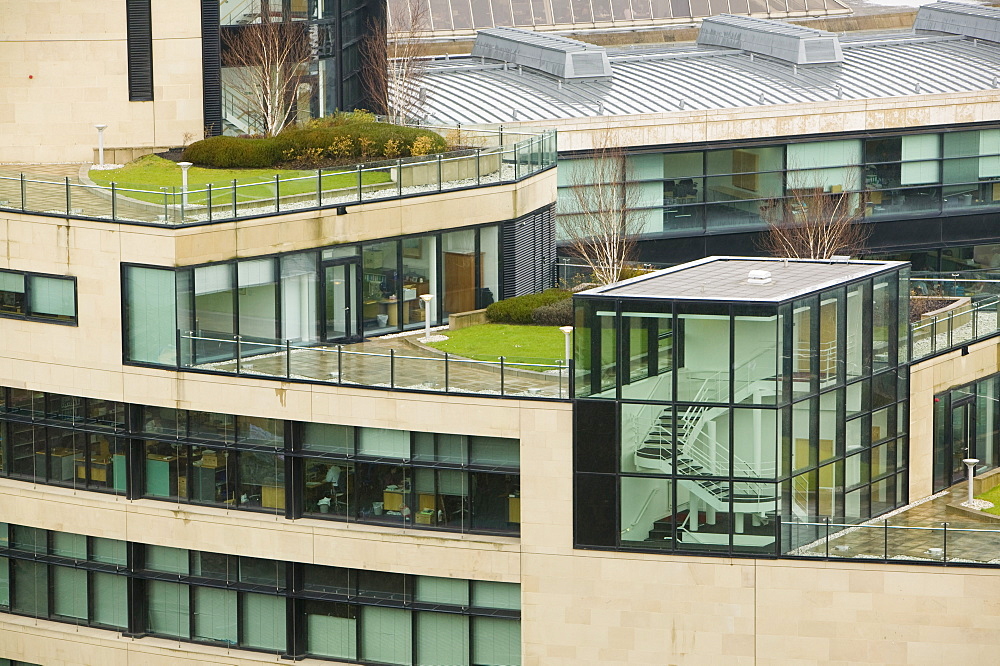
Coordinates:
<point>720,402</point>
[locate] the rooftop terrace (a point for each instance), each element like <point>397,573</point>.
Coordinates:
<point>492,157</point>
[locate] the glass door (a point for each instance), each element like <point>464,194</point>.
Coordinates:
<point>340,296</point>
<point>963,430</point>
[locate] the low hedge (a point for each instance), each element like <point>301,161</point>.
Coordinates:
<point>520,309</point>
<point>559,313</point>
<point>316,145</point>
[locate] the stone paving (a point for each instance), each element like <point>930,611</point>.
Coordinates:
<point>392,363</point>
<point>916,532</point>
<point>45,191</point>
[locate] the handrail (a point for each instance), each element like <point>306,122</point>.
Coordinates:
<point>464,169</point>
<point>642,511</point>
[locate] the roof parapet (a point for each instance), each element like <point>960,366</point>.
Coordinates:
<point>782,41</point>
<point>565,59</point>
<point>958,18</point>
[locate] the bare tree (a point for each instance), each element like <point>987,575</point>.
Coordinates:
<point>393,60</point>
<point>815,223</point>
<point>266,62</point>
<point>604,223</point>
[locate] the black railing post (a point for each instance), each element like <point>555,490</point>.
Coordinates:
<point>114,202</point>
<point>319,187</point>
<point>340,364</point>
<point>440,174</point>
<point>826,519</point>
<point>277,193</point>
<point>209,202</point>
<point>944,545</point>
<point>239,353</point>
<point>501,375</point>
<point>288,359</point>
<point>885,539</point>
<point>399,176</point>
<point>446,372</point>
<point>392,368</point>
<point>68,197</point>
<point>479,167</point>
<point>235,213</point>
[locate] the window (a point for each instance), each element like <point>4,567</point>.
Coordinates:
<point>39,297</point>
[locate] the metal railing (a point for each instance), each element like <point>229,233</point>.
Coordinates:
<point>941,543</point>
<point>955,328</point>
<point>491,157</point>
<point>339,365</point>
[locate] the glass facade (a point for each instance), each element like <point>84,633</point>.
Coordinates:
<point>421,480</point>
<point>966,426</point>
<point>287,608</point>
<point>733,189</point>
<point>334,32</point>
<point>207,314</point>
<point>50,298</point>
<point>730,418</point>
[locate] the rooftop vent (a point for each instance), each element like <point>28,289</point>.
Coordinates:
<point>566,59</point>
<point>957,18</point>
<point>782,41</point>
<point>759,277</point>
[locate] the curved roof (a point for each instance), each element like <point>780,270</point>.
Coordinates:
<point>671,78</point>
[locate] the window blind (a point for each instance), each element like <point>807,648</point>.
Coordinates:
<point>167,609</point>
<point>386,635</point>
<point>52,296</point>
<point>263,620</point>
<point>215,615</point>
<point>332,636</point>
<point>452,591</point>
<point>110,595</point>
<point>69,596</point>
<point>11,282</point>
<point>442,638</point>
<point>384,443</point>
<point>487,594</point>
<point>496,641</point>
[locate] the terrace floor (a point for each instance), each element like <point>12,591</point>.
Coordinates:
<point>392,363</point>
<point>916,532</point>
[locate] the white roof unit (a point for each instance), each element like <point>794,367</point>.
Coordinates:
<point>782,41</point>
<point>567,59</point>
<point>958,18</point>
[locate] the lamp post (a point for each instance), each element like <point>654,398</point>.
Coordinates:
<point>427,298</point>
<point>971,464</point>
<point>100,143</point>
<point>567,331</point>
<point>184,181</point>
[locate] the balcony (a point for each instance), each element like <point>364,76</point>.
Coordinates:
<point>491,157</point>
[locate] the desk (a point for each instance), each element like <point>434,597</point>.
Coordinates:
<point>513,509</point>
<point>61,463</point>
<point>99,466</point>
<point>272,497</point>
<point>392,500</point>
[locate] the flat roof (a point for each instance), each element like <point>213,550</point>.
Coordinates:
<point>725,279</point>
<point>685,77</point>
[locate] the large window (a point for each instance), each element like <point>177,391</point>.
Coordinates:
<point>38,297</point>
<point>247,602</point>
<point>419,480</point>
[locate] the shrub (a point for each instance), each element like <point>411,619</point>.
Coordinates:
<point>518,310</point>
<point>328,141</point>
<point>559,313</point>
<point>232,152</point>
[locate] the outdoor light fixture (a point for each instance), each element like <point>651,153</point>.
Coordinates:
<point>100,143</point>
<point>567,331</point>
<point>184,181</point>
<point>427,298</point>
<point>971,464</point>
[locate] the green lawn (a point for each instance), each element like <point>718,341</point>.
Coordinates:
<point>151,173</point>
<point>992,495</point>
<point>517,344</point>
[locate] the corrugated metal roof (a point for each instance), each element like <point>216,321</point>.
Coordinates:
<point>683,77</point>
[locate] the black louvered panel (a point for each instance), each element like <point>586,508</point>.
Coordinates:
<point>211,67</point>
<point>529,253</point>
<point>139,33</point>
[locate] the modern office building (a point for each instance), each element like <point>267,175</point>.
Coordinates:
<point>759,112</point>
<point>153,73</point>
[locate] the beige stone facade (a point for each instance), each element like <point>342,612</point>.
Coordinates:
<point>63,69</point>
<point>578,607</point>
